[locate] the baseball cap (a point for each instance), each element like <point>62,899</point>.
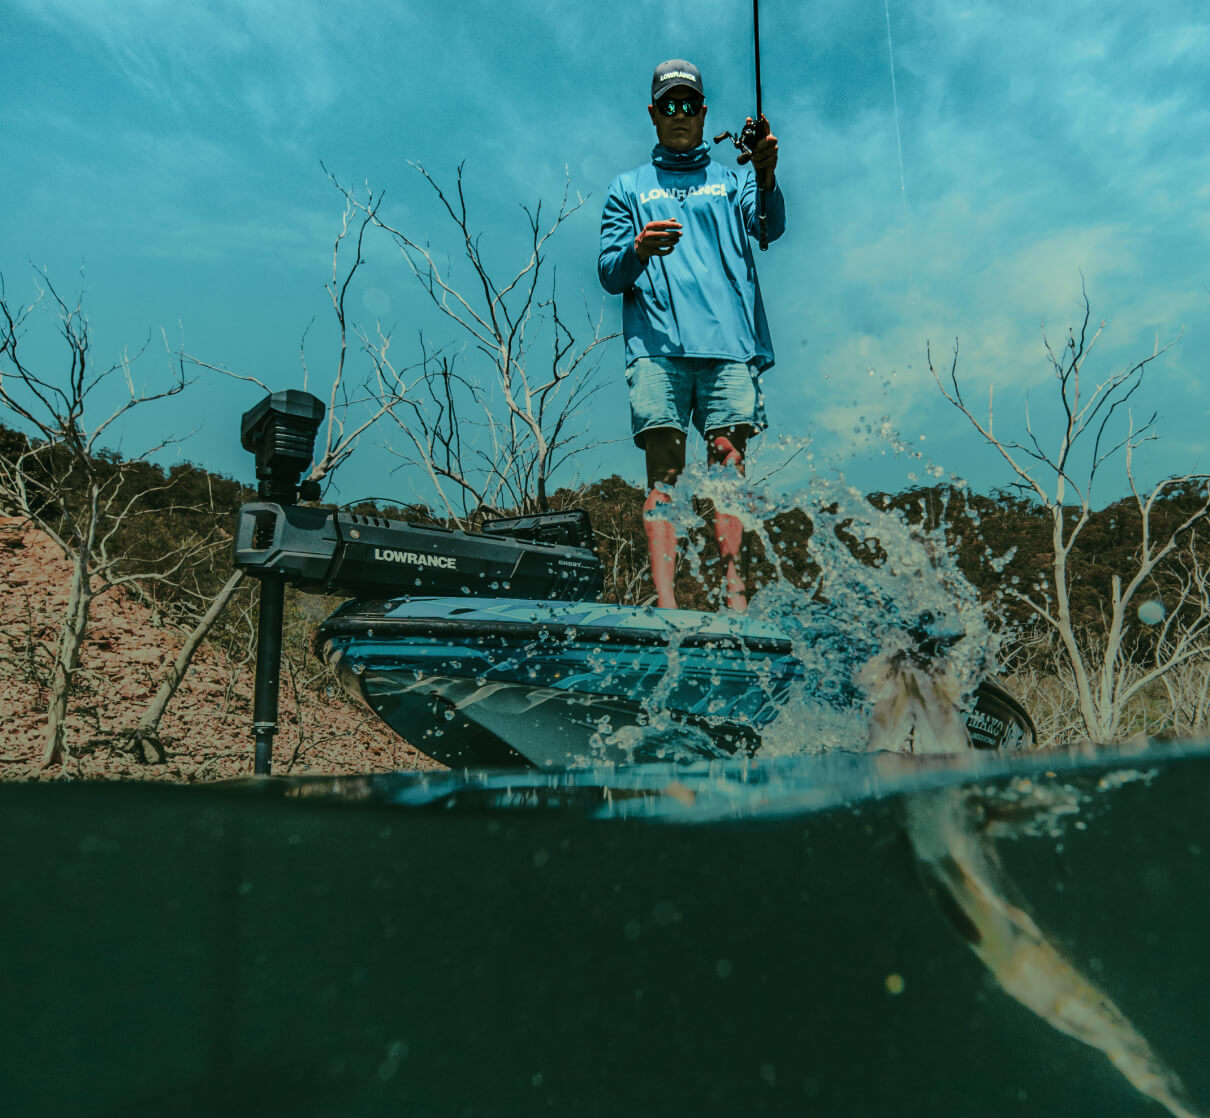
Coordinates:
<point>676,71</point>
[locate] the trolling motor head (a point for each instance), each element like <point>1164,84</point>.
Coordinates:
<point>281,431</point>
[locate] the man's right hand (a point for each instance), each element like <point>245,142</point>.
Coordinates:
<point>657,238</point>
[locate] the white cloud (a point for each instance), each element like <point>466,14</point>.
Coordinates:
<point>272,58</point>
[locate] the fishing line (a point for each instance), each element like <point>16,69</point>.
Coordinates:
<point>895,102</point>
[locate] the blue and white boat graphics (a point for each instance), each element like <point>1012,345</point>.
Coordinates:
<point>476,682</point>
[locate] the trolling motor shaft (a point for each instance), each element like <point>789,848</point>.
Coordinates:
<point>280,431</point>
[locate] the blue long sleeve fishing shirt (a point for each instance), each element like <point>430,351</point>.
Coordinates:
<point>703,299</point>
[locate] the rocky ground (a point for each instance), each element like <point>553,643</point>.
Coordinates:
<point>205,733</point>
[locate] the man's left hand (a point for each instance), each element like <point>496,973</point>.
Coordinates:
<point>764,157</point>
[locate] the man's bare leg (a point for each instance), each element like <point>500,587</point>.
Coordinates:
<point>665,447</point>
<point>726,448</point>
<point>661,545</point>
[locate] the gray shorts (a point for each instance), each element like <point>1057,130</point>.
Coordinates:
<point>709,393</point>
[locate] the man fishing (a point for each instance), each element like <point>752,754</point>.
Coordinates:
<point>675,245</point>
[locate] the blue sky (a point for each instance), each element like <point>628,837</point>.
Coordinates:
<point>174,151</point>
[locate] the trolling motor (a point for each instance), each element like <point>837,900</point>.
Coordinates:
<point>332,551</point>
<point>754,130</point>
<point>280,431</point>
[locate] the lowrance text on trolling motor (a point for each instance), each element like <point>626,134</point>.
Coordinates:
<point>416,558</point>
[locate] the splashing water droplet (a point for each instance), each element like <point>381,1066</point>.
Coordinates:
<point>1152,612</point>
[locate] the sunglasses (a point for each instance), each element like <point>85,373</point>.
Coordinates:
<point>668,106</point>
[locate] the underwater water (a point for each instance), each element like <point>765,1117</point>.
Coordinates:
<point>837,926</point>
<point>720,938</point>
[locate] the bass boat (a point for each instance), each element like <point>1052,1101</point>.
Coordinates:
<point>489,648</point>
<point>510,683</point>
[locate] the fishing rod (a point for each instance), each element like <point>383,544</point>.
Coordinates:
<point>754,130</point>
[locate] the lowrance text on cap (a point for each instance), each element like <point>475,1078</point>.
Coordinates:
<point>676,71</point>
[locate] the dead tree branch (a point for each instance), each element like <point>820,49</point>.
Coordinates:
<point>495,434</point>
<point>61,480</point>
<point>1104,674</point>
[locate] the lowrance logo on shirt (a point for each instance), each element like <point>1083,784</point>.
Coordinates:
<point>679,194</point>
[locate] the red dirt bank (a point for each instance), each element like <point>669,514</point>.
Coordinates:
<point>207,728</point>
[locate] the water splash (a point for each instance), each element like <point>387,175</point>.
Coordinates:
<point>911,644</point>
<point>922,646</point>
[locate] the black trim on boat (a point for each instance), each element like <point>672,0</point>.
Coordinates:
<point>363,616</point>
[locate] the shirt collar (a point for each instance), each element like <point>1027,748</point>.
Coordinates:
<point>692,160</point>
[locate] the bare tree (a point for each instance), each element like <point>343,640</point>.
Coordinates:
<point>1106,670</point>
<point>1188,692</point>
<point>1186,581</point>
<point>479,445</point>
<point>61,479</point>
<point>1036,664</point>
<point>350,413</point>
<point>145,734</point>
<point>351,409</point>
<point>491,435</point>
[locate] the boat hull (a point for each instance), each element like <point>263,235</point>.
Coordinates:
<point>507,683</point>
